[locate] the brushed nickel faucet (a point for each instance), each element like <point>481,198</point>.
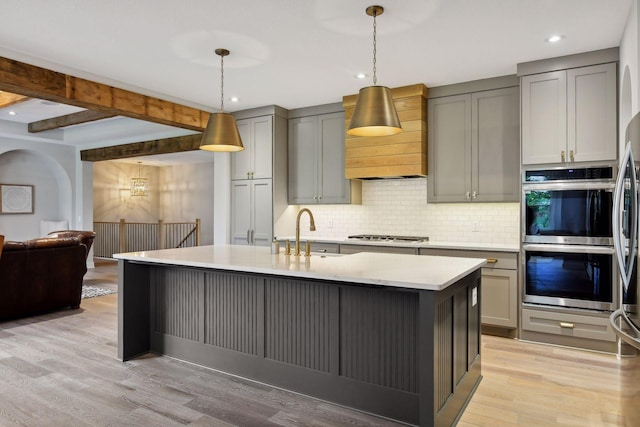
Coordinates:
<point>312,227</point>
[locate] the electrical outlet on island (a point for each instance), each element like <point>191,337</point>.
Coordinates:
<point>475,226</point>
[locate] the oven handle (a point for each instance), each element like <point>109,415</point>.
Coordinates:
<point>565,186</point>
<point>578,249</point>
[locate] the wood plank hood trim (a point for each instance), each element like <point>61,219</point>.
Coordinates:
<point>401,155</point>
<point>29,80</point>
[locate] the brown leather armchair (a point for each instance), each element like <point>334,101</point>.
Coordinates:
<point>41,275</point>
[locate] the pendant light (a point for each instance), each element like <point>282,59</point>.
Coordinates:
<point>139,185</point>
<point>221,133</point>
<point>374,113</point>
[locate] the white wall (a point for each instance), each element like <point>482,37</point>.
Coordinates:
<point>186,193</point>
<point>179,193</point>
<point>51,169</point>
<point>399,206</point>
<point>112,198</point>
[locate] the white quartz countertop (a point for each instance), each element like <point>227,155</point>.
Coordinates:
<point>422,272</point>
<point>467,246</point>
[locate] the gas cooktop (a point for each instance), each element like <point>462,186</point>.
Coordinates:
<point>389,238</point>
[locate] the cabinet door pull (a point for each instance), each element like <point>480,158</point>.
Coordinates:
<point>492,260</point>
<point>571,156</point>
<point>562,156</point>
<point>468,195</point>
<point>248,241</point>
<point>474,195</point>
<point>567,325</point>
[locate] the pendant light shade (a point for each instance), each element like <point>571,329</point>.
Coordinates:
<point>221,133</point>
<point>374,113</point>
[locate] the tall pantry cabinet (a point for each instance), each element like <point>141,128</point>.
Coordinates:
<point>259,175</point>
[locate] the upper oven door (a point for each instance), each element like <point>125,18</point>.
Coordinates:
<point>568,213</point>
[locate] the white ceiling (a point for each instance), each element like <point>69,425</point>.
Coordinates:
<point>292,53</point>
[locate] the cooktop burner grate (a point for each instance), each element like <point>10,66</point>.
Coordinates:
<point>388,238</point>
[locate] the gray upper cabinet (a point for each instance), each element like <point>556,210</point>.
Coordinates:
<point>256,160</point>
<point>474,147</point>
<point>569,115</point>
<point>316,160</point>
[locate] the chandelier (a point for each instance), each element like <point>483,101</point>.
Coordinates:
<point>139,185</point>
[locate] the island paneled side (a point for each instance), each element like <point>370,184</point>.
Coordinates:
<point>410,355</point>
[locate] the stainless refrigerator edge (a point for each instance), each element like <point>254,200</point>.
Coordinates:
<point>626,319</point>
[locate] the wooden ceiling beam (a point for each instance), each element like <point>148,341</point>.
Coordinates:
<point>29,80</point>
<point>145,148</point>
<point>8,99</point>
<point>68,120</point>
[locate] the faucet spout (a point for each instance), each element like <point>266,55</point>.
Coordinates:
<point>312,227</point>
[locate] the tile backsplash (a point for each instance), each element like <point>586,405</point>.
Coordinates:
<point>399,207</point>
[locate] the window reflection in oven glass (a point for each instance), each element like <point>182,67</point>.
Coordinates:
<point>569,213</point>
<point>569,275</point>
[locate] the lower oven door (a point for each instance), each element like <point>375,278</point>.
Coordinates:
<point>570,276</point>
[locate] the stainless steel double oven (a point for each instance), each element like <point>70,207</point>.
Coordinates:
<point>568,253</point>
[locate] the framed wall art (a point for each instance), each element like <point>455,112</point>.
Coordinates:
<point>16,199</point>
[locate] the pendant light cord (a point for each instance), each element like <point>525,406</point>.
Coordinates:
<point>375,80</point>
<point>222,83</point>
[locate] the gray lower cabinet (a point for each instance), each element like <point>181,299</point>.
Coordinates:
<point>499,285</point>
<point>316,160</point>
<point>500,297</point>
<point>570,115</point>
<point>473,142</point>
<point>252,207</point>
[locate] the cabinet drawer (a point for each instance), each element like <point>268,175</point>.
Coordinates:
<point>503,260</point>
<point>567,324</point>
<point>442,252</point>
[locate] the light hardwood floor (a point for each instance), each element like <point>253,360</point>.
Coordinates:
<point>60,369</point>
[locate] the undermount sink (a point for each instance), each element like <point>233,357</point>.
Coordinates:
<point>325,254</point>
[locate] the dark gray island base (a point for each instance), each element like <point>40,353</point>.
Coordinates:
<point>411,355</point>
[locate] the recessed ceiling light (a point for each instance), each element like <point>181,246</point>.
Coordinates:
<point>234,99</point>
<point>555,38</point>
<point>361,76</point>
<point>12,113</point>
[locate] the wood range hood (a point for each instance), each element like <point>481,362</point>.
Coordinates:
<point>395,156</point>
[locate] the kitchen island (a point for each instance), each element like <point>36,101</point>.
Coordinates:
<point>393,335</point>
